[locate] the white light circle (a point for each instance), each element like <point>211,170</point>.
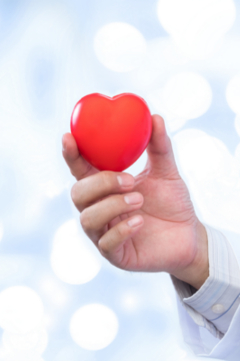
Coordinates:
<point>119,46</point>
<point>196,25</point>
<point>187,95</point>
<point>237,124</point>
<point>207,15</point>
<point>172,121</point>
<point>21,309</point>
<point>237,153</point>
<point>202,156</point>
<point>94,326</point>
<point>6,356</point>
<point>212,175</point>
<point>233,94</point>
<point>130,302</point>
<point>71,261</point>
<point>56,294</point>
<point>35,341</point>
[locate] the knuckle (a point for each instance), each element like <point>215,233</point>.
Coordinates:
<point>104,248</point>
<point>85,220</point>
<point>114,203</point>
<point>119,231</point>
<point>74,193</point>
<point>107,179</point>
<point>72,172</point>
<point>77,195</point>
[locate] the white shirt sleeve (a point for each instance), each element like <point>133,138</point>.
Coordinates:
<point>215,303</point>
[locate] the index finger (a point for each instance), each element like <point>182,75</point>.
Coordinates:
<point>79,167</point>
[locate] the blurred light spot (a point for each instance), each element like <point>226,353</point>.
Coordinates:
<point>49,321</point>
<point>15,268</point>
<point>6,356</point>
<point>185,96</point>
<point>213,177</point>
<point>36,169</point>
<point>56,293</point>
<point>162,60</point>
<point>71,261</point>
<point>94,326</point>
<point>50,188</point>
<point>172,121</point>
<point>9,185</point>
<point>233,94</point>
<point>203,156</point>
<point>32,342</point>
<point>33,149</point>
<point>130,302</point>
<point>21,309</point>
<point>1,231</point>
<point>44,28</point>
<point>237,124</point>
<point>196,25</point>
<point>237,153</point>
<point>119,46</point>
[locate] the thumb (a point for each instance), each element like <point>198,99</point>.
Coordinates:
<point>160,153</point>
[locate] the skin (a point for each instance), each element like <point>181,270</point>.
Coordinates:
<point>159,231</point>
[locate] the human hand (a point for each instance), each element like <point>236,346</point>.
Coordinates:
<point>158,230</point>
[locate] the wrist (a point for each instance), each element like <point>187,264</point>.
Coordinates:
<point>197,272</point>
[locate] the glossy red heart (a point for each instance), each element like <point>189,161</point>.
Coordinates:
<point>111,133</point>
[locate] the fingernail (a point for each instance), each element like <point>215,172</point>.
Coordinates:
<point>125,180</point>
<point>136,221</point>
<point>133,198</point>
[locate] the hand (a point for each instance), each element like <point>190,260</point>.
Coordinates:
<point>146,223</point>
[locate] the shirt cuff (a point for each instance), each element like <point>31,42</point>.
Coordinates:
<point>215,303</point>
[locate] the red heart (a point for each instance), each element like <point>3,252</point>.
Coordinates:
<point>111,133</point>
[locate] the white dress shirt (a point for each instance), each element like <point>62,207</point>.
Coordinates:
<point>215,303</point>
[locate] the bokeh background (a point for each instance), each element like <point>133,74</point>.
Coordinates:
<point>59,299</point>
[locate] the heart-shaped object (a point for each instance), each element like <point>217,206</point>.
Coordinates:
<point>111,133</point>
